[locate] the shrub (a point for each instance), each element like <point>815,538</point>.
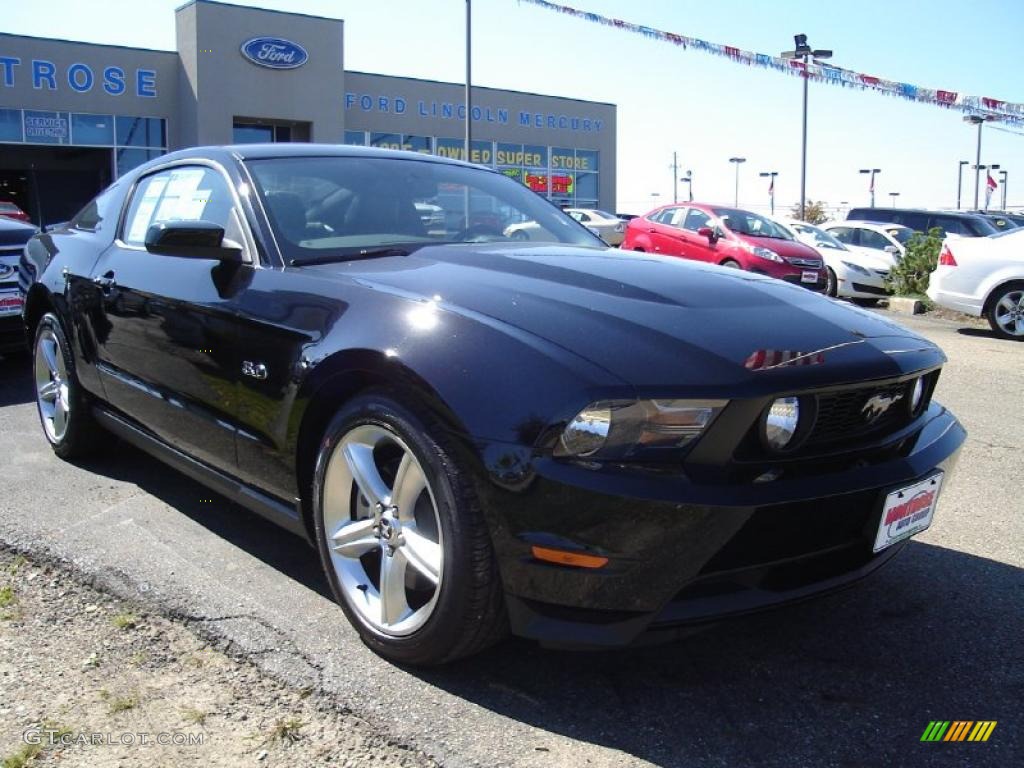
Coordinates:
<point>910,275</point>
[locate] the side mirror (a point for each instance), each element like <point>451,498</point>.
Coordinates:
<point>707,232</point>
<point>892,249</point>
<point>196,239</point>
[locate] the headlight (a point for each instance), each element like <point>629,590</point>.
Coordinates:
<point>764,253</point>
<point>781,423</point>
<point>916,396</point>
<point>620,428</point>
<point>856,268</point>
<point>587,433</point>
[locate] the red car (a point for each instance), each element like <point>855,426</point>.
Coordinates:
<point>727,236</point>
<point>11,211</point>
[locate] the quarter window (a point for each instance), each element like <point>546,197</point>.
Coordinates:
<point>844,235</point>
<point>186,193</point>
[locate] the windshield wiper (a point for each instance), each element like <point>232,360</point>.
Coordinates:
<point>362,253</point>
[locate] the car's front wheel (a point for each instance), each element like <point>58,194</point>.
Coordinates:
<point>62,404</point>
<point>831,283</point>
<point>1006,312</point>
<point>402,537</point>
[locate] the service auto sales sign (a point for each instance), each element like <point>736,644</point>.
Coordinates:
<point>274,53</point>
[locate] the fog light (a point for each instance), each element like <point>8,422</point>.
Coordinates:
<point>587,432</point>
<point>781,423</point>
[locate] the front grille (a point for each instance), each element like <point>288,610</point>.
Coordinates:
<point>808,263</point>
<point>843,415</point>
<point>800,529</point>
<point>861,288</point>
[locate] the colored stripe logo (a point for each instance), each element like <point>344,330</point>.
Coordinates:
<point>959,730</point>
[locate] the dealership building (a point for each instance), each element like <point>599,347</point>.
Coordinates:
<point>74,116</point>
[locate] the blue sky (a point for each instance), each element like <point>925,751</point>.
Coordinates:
<point>705,108</point>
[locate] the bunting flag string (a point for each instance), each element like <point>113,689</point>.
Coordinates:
<point>992,109</point>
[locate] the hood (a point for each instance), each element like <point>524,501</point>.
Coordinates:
<point>793,249</point>
<point>658,323</point>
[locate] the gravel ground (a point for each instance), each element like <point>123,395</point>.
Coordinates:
<point>78,666</point>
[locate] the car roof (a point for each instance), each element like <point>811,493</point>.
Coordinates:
<point>298,149</point>
<point>886,225</point>
<point>13,225</point>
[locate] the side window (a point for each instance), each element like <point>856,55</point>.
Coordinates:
<point>871,239</point>
<point>917,221</point>
<point>665,216</point>
<point>580,216</point>
<point>696,219</point>
<point>948,224</point>
<point>844,235</point>
<point>185,193</point>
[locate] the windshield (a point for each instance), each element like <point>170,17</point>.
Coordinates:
<point>747,223</point>
<point>901,235</point>
<point>336,206</point>
<point>818,238</point>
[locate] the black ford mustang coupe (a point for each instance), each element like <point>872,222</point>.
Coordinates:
<point>478,433</point>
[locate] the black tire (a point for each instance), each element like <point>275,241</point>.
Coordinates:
<point>82,436</point>
<point>520,235</point>
<point>469,614</point>
<point>732,264</point>
<point>865,302</point>
<point>831,283</point>
<point>993,306</point>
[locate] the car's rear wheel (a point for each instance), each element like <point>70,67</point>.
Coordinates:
<point>401,535</point>
<point>518,234</point>
<point>1006,312</point>
<point>62,405</point>
<point>831,283</point>
<point>732,264</point>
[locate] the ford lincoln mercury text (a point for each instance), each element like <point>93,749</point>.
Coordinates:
<point>481,434</point>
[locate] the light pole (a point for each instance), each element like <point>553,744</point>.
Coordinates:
<point>469,79</point>
<point>736,161</point>
<point>688,181</point>
<point>960,181</point>
<point>771,186</point>
<point>978,120</point>
<point>803,51</point>
<point>675,178</point>
<point>871,186</point>
<point>894,195</point>
<point>1002,184</point>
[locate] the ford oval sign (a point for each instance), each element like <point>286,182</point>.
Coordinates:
<point>275,53</point>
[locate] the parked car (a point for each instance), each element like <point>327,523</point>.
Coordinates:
<point>476,433</point>
<point>1000,220</point>
<point>12,211</point>
<point>950,222</point>
<point>727,236</point>
<point>626,216</point>
<point>886,241</point>
<point>607,226</point>
<point>983,277</point>
<point>14,235</point>
<point>859,274</point>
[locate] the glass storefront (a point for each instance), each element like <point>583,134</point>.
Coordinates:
<point>566,176</point>
<point>133,139</point>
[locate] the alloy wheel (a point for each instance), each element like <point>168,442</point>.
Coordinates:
<point>52,396</point>
<point>1009,313</point>
<point>383,530</point>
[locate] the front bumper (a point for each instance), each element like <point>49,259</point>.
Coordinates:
<point>12,334</point>
<point>681,553</point>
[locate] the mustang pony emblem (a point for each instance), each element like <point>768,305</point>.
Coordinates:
<point>879,404</point>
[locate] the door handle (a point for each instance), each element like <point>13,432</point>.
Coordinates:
<point>650,231</point>
<point>105,282</point>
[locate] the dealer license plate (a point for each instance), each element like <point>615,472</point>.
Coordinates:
<point>10,304</point>
<point>809,277</point>
<point>908,511</point>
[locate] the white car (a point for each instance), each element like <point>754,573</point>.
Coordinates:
<point>983,276</point>
<point>852,274</point>
<point>888,240</point>
<point>607,226</point>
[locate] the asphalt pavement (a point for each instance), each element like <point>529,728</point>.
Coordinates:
<point>848,680</point>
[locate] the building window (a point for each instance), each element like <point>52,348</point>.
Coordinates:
<point>253,134</point>
<point>386,140</point>
<point>10,125</point>
<point>132,157</point>
<point>357,138</point>
<point>92,129</point>
<point>419,144</point>
<point>141,132</point>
